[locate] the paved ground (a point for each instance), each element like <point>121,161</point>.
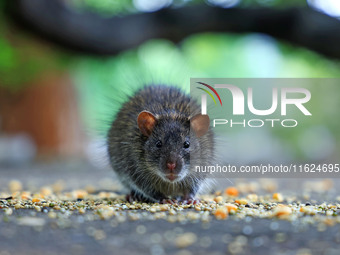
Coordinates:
<point>78,234</point>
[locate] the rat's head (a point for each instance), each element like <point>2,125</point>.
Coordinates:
<point>169,142</point>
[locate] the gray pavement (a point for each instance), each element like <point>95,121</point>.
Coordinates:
<point>78,235</point>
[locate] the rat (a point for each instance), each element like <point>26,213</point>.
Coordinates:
<point>156,139</point>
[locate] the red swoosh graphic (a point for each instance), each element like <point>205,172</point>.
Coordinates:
<point>213,90</point>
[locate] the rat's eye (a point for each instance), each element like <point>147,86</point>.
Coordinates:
<point>158,144</point>
<point>186,145</point>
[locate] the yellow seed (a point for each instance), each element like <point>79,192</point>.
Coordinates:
<point>35,200</point>
<point>25,195</point>
<point>221,213</point>
<point>197,208</point>
<point>282,211</point>
<point>218,199</point>
<point>172,212</point>
<point>278,197</point>
<point>241,201</point>
<point>231,207</point>
<point>153,209</point>
<point>308,210</point>
<point>80,194</point>
<point>164,207</point>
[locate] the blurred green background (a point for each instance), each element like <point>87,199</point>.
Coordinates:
<point>99,85</point>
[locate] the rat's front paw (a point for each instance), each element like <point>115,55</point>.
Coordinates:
<point>189,200</point>
<point>169,201</point>
<point>137,197</point>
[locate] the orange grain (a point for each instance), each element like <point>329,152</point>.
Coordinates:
<point>231,191</point>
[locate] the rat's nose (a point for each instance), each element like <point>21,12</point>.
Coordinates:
<point>171,165</point>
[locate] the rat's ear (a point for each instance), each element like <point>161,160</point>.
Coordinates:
<point>146,122</point>
<point>200,124</point>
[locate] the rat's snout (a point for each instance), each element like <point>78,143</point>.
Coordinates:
<point>171,165</point>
